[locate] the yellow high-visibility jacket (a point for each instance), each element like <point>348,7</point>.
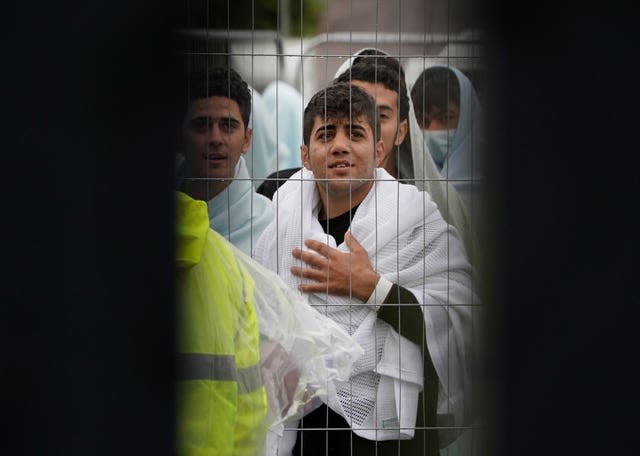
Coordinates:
<point>221,399</point>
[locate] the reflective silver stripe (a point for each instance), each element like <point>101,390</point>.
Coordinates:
<point>199,366</point>
<point>249,379</point>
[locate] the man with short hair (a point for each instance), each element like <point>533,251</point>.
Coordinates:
<point>378,258</point>
<point>215,136</point>
<point>384,81</point>
<point>383,78</point>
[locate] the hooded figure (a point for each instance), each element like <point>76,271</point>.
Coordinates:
<point>455,143</point>
<point>415,165</point>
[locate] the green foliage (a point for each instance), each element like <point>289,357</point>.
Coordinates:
<point>266,15</point>
<point>312,10</point>
<point>256,14</point>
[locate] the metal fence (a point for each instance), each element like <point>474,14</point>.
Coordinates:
<point>309,64</point>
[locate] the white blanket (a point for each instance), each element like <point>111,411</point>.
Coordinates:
<point>238,213</point>
<point>408,243</point>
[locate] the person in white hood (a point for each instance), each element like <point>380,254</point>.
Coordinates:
<point>448,111</point>
<point>377,257</point>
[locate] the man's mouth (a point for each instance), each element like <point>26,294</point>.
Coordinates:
<point>340,164</point>
<point>214,157</point>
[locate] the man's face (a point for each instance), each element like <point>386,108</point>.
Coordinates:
<point>214,137</point>
<point>339,151</point>
<point>442,119</point>
<point>392,132</point>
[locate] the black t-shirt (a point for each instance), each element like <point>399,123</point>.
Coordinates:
<point>338,226</point>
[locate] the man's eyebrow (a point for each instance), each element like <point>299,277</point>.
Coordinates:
<point>226,119</point>
<point>199,119</point>
<point>230,119</point>
<point>327,126</point>
<point>355,126</point>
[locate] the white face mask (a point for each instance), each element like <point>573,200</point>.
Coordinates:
<point>439,143</point>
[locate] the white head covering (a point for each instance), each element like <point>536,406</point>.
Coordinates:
<point>415,162</point>
<point>261,156</point>
<point>286,102</point>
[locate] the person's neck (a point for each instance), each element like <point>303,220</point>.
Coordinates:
<point>335,203</point>
<point>205,190</point>
<point>389,163</point>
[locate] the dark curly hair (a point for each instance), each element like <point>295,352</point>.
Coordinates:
<point>339,101</point>
<point>376,68</point>
<point>222,82</point>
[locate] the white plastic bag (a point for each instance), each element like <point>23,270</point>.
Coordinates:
<point>302,351</point>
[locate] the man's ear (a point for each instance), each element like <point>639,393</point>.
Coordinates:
<point>403,128</point>
<point>304,156</point>
<point>248,133</point>
<point>379,151</point>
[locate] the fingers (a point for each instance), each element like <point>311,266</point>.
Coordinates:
<point>350,241</point>
<point>320,277</point>
<point>314,288</point>
<point>310,258</point>
<point>308,273</point>
<point>320,247</point>
<point>353,243</point>
<point>318,269</point>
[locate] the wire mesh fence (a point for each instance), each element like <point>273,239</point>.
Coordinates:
<point>417,211</point>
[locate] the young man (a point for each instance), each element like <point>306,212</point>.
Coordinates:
<point>215,136</point>
<point>384,81</point>
<point>448,111</point>
<point>383,78</point>
<point>378,259</point>
<point>436,99</point>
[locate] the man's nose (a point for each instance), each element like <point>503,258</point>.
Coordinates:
<point>341,143</point>
<point>215,134</point>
